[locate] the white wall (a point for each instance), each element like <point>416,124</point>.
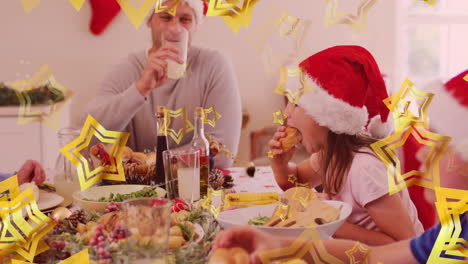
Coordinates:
<point>55,34</point>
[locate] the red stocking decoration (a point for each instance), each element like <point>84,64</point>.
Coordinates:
<point>104,11</point>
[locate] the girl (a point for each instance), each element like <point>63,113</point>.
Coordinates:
<point>339,120</point>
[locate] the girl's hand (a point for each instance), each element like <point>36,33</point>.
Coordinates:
<point>252,240</point>
<point>280,156</point>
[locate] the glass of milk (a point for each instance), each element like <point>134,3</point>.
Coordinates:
<point>179,40</point>
<point>182,170</point>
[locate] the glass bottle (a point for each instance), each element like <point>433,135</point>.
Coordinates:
<point>200,143</point>
<point>161,145</point>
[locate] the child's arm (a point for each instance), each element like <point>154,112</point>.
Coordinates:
<point>390,216</point>
<point>304,171</point>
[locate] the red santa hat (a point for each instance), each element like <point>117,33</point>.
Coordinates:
<point>199,7</point>
<point>448,110</point>
<point>347,92</point>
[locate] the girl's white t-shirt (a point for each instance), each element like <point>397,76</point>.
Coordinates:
<point>366,182</point>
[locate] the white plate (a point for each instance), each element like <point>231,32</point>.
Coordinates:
<point>48,200</point>
<point>242,216</point>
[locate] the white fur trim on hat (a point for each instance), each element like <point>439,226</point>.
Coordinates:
<point>333,113</point>
<point>378,129</point>
<point>446,115</point>
<point>196,5</point>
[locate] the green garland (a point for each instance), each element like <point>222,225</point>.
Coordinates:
<point>42,95</point>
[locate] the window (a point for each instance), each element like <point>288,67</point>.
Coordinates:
<point>433,41</point>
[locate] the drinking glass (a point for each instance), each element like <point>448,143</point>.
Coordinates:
<point>182,170</point>
<point>177,38</point>
<point>148,221</point>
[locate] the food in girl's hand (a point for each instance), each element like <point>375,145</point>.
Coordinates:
<point>229,256</point>
<point>291,139</point>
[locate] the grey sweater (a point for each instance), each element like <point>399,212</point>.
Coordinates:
<point>210,81</point>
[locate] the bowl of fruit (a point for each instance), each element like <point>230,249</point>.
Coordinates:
<point>95,199</point>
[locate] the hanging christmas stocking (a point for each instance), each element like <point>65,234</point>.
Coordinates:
<point>103,12</point>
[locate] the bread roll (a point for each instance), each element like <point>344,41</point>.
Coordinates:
<point>291,139</point>
<point>229,256</point>
<point>127,153</point>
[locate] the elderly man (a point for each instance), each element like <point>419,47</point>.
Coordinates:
<point>131,92</point>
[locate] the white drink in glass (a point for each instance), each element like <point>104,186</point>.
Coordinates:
<point>189,183</point>
<point>66,185</point>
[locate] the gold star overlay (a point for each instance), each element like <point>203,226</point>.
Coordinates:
<point>358,21</point>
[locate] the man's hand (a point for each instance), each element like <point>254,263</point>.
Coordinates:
<point>155,72</point>
<point>31,171</point>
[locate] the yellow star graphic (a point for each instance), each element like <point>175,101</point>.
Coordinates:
<point>9,189</point>
<point>29,5</point>
<point>292,178</point>
<point>307,243</point>
<point>176,135</point>
<point>407,98</point>
<point>465,78</point>
<point>18,234</point>
<point>270,154</point>
<point>208,203</point>
<point>353,254</point>
<point>234,15</point>
<point>303,196</point>
<point>356,21</point>
<point>451,205</point>
<point>288,25</point>
<point>81,257</point>
<point>430,178</point>
<point>160,7</point>
<point>258,37</point>
<point>216,116</point>
<point>283,211</point>
<point>453,164</point>
<point>279,117</point>
<point>77,4</point>
<point>281,89</point>
<point>22,87</point>
<point>431,2</point>
<point>136,15</point>
<point>72,151</point>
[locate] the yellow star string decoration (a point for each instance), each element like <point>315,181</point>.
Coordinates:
<point>233,14</point>
<point>270,154</point>
<point>279,117</point>
<point>303,194</point>
<point>41,247</point>
<point>354,254</point>
<point>176,135</point>
<point>216,116</point>
<point>160,7</point>
<point>285,75</point>
<point>358,22</point>
<point>451,205</point>
<point>307,243</point>
<point>72,152</point>
<point>208,203</point>
<point>29,5</point>
<point>136,14</point>
<point>50,117</point>
<point>18,234</point>
<point>466,77</point>
<point>386,150</point>
<point>408,97</point>
<point>258,37</point>
<point>77,4</point>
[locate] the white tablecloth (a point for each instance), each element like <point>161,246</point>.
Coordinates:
<point>263,180</point>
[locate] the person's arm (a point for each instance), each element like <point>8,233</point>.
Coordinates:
<point>223,93</point>
<point>117,99</point>
<point>306,172</point>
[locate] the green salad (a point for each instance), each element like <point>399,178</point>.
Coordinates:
<point>259,220</point>
<point>145,192</point>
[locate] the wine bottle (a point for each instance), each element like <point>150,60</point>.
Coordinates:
<point>200,143</point>
<point>161,146</point>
